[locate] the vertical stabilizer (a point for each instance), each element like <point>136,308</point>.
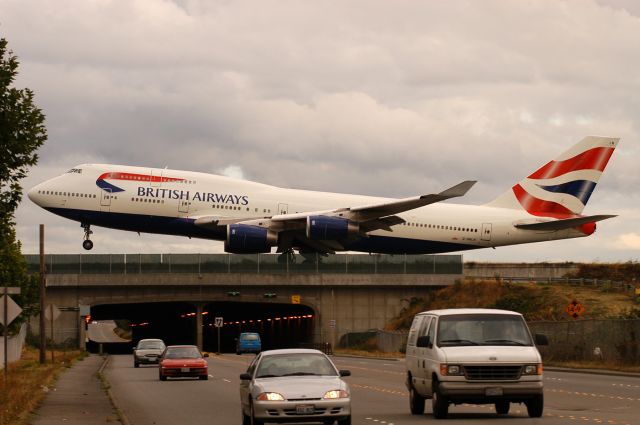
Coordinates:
<point>562,187</point>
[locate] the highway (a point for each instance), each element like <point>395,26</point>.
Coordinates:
<point>378,396</point>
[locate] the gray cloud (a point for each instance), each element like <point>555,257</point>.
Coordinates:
<point>355,97</point>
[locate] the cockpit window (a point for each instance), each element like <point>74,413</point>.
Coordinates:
<point>75,170</point>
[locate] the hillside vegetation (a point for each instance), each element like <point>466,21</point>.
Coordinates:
<point>534,300</point>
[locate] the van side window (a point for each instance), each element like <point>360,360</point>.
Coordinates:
<point>413,331</point>
<point>432,331</point>
<point>425,326</point>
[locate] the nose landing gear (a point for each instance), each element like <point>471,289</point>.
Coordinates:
<point>87,244</point>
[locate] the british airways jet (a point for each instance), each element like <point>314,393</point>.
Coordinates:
<point>254,218</point>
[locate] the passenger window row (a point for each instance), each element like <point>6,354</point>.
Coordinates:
<point>439,227</point>
<point>71,194</point>
<point>147,200</point>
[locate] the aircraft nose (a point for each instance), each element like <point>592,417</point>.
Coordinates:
<point>33,194</point>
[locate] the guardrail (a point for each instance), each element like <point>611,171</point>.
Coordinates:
<point>246,263</point>
<point>604,284</point>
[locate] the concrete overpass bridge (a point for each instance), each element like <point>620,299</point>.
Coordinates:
<point>177,296</point>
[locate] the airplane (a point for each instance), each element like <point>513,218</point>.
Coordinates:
<point>253,218</point>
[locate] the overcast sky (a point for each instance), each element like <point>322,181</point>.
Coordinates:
<point>388,98</point>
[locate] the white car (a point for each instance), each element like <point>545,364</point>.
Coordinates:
<point>478,356</point>
<point>294,385</point>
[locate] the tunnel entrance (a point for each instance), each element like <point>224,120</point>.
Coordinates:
<point>279,325</point>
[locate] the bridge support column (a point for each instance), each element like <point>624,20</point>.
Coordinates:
<point>199,310</point>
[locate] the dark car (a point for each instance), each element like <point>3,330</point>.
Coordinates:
<point>148,351</point>
<point>183,361</point>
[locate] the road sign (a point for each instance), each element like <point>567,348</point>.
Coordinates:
<point>295,299</point>
<point>575,309</point>
<point>13,309</point>
<point>218,322</point>
<point>51,312</point>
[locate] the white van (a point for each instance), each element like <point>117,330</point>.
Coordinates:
<point>473,355</point>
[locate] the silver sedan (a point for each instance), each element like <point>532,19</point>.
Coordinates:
<point>294,385</point>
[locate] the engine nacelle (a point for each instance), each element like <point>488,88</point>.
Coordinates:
<point>320,227</point>
<point>244,239</point>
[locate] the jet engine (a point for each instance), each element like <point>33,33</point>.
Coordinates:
<point>244,239</point>
<point>320,227</point>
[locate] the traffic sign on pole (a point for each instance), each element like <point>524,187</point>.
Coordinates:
<point>13,310</point>
<point>218,322</point>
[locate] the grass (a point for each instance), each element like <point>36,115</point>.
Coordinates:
<point>28,382</point>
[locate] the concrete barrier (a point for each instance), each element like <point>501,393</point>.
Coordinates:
<point>14,347</point>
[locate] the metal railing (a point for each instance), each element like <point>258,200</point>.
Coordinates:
<point>246,263</point>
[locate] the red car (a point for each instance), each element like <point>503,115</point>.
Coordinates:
<point>183,360</point>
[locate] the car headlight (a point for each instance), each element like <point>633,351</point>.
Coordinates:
<point>336,394</point>
<point>532,369</point>
<point>270,397</point>
<point>450,370</point>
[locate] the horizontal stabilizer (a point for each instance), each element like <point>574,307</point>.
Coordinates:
<point>563,224</point>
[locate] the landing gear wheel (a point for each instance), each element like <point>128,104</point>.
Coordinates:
<point>502,407</point>
<point>439,403</point>
<point>87,244</point>
<point>416,402</point>
<point>535,406</point>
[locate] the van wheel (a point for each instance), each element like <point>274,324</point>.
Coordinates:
<point>439,403</point>
<point>502,407</point>
<point>416,402</point>
<point>535,406</point>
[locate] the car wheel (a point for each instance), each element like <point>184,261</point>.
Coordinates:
<point>203,377</point>
<point>136,364</point>
<point>163,378</point>
<point>246,420</point>
<point>345,421</point>
<point>255,421</point>
<point>502,407</point>
<point>416,402</point>
<point>535,406</point>
<point>439,403</point>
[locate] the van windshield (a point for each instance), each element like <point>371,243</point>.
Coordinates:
<point>482,329</point>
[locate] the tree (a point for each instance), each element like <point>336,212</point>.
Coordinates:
<point>22,132</point>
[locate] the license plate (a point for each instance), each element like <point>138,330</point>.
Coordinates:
<point>184,369</point>
<point>305,409</point>
<point>493,391</point>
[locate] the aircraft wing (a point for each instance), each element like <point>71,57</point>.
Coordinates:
<point>366,213</point>
<point>369,212</point>
<point>291,227</point>
<point>562,223</point>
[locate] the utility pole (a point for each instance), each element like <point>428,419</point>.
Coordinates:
<point>43,337</point>
<point>5,329</point>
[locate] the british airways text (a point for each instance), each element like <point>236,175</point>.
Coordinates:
<point>217,198</point>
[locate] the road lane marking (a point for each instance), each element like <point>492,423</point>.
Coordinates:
<point>611,397</point>
<point>226,380</point>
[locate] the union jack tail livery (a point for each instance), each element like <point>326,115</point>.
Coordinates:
<point>562,187</point>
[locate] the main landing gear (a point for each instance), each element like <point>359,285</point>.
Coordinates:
<point>87,244</point>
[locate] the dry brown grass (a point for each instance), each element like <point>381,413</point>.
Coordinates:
<point>28,382</point>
